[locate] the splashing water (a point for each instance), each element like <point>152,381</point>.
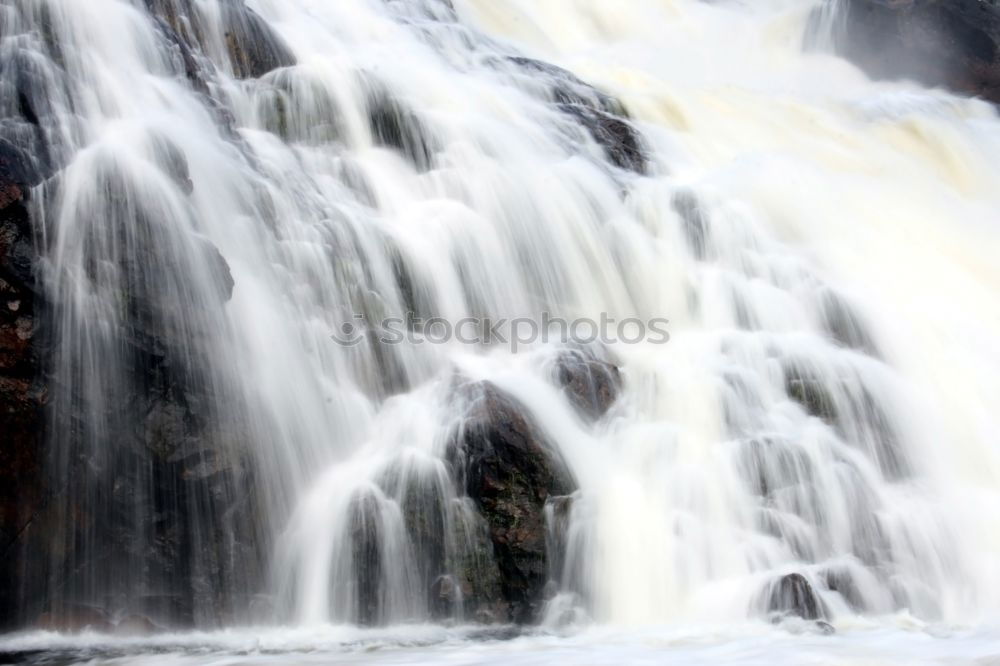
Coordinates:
<point>232,186</point>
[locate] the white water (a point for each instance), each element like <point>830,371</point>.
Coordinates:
<point>813,180</point>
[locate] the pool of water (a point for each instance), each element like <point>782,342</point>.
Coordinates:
<point>899,641</point>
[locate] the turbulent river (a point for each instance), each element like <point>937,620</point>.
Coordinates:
<point>795,458</point>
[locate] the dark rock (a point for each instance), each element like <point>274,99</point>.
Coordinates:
<point>792,595</point>
<point>951,43</point>
<point>18,173</point>
<point>810,392</point>
<point>421,493</point>
<point>504,463</point>
<point>825,628</point>
<point>23,389</point>
<point>604,117</point>
<point>191,64</point>
<point>839,579</point>
<point>591,384</point>
<point>297,106</point>
<point>619,140</point>
<point>254,48</point>
<point>852,409</point>
<point>558,515</point>
<point>366,540</point>
<point>395,126</point>
<point>171,160</point>
<point>564,87</point>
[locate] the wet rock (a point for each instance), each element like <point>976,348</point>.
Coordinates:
<point>397,127</point>
<point>136,625</point>
<point>770,465</point>
<point>558,515</point>
<point>23,389</point>
<point>254,48</point>
<point>75,618</point>
<point>564,87</point>
<point>171,160</point>
<point>591,384</point>
<point>852,409</point>
<point>792,595</point>
<point>297,106</point>
<point>845,325</point>
<point>445,597</point>
<point>619,140</point>
<point>191,64</point>
<point>366,540</point>
<point>504,463</point>
<point>692,214</point>
<point>953,44</point>
<point>840,580</point>
<point>604,117</point>
<point>810,393</point>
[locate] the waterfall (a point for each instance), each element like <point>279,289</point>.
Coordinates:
<point>232,199</point>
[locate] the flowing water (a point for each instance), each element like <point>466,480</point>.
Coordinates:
<point>824,249</point>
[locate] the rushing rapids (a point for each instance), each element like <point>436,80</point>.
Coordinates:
<point>216,193</point>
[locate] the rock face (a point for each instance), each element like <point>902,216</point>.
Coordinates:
<point>505,465</point>
<point>23,393</point>
<point>949,43</point>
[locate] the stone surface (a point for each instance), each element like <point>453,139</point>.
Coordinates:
<point>792,595</point>
<point>949,43</point>
<point>504,463</point>
<point>591,384</point>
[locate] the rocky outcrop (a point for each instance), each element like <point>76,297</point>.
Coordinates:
<point>504,463</point>
<point>949,43</point>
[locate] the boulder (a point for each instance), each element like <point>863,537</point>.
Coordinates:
<point>254,48</point>
<point>948,43</point>
<point>591,384</point>
<point>504,463</point>
<point>395,126</point>
<point>792,595</point>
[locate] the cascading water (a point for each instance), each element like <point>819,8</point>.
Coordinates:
<point>225,192</point>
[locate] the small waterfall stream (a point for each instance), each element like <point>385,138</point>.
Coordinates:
<point>234,198</point>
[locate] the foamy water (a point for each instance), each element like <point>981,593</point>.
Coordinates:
<point>902,641</point>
